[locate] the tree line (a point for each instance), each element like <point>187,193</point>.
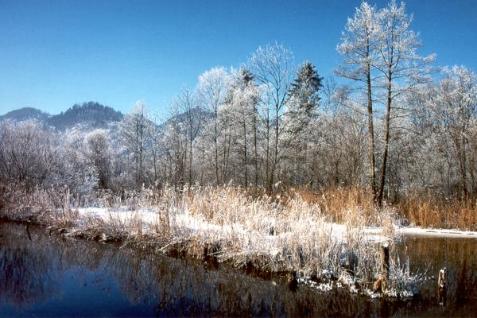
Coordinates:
<point>389,120</point>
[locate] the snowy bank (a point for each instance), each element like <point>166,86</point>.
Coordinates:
<point>451,233</point>
<point>198,225</point>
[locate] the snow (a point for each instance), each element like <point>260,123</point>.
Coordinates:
<point>452,233</point>
<point>185,222</point>
<point>122,214</point>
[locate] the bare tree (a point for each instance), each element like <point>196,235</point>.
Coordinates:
<point>359,48</point>
<point>134,132</point>
<point>212,90</point>
<point>100,157</point>
<point>400,66</point>
<point>191,113</point>
<point>454,110</point>
<point>272,68</point>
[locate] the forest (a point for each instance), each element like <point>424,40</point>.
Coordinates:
<point>390,123</point>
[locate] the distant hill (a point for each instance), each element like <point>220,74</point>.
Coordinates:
<point>26,113</point>
<point>91,115</point>
<point>181,118</point>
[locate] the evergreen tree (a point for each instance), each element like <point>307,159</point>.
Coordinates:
<point>303,97</point>
<point>302,102</point>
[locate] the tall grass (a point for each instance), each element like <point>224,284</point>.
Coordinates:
<point>418,209</point>
<point>432,211</point>
<point>337,202</point>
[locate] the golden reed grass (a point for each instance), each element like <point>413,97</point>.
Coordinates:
<point>432,211</point>
<point>424,210</point>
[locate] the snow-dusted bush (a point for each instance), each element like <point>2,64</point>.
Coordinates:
<point>28,157</point>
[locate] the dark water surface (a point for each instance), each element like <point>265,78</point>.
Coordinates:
<point>47,276</point>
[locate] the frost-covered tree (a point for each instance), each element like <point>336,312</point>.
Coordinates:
<point>77,173</point>
<point>380,51</point>
<point>155,133</point>
<point>399,66</point>
<point>27,154</point>
<point>303,98</point>
<point>186,104</point>
<point>100,156</point>
<point>272,66</point>
<point>175,144</point>
<point>359,48</point>
<point>134,133</point>
<point>301,111</point>
<point>244,97</point>
<point>212,90</point>
<point>454,114</point>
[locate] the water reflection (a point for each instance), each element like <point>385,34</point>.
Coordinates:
<point>458,256</point>
<point>27,274</point>
<point>50,276</point>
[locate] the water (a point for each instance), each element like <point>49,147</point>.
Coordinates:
<point>42,275</point>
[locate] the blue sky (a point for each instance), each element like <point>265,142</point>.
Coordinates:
<point>57,53</point>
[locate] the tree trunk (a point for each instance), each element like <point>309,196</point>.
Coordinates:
<point>155,164</point>
<point>386,139</point>
<point>275,151</point>
<point>371,155</point>
<point>277,129</point>
<point>267,152</point>
<point>245,151</point>
<point>216,149</point>
<point>190,162</point>
<point>255,145</point>
<point>463,167</point>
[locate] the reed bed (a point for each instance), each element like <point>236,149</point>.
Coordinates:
<point>319,238</point>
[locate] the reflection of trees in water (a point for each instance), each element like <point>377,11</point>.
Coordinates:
<point>30,272</point>
<point>458,255</point>
<point>27,268</point>
<point>186,288</point>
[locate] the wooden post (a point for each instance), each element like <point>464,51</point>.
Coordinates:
<point>385,260</point>
<point>442,286</point>
<point>380,284</point>
<point>292,281</point>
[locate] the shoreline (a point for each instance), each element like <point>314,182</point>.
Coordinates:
<point>434,232</point>
<point>179,233</point>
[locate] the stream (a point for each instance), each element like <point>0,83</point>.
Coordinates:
<point>49,276</point>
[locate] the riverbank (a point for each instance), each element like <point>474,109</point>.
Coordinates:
<point>307,242</point>
<point>264,234</point>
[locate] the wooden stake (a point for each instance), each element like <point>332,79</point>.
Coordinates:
<point>442,286</point>
<point>385,260</point>
<point>380,284</point>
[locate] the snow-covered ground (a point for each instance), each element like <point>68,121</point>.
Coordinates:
<point>198,225</point>
<point>453,233</point>
<point>149,216</point>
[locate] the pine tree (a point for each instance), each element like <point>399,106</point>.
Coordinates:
<point>302,103</point>
<point>304,97</point>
